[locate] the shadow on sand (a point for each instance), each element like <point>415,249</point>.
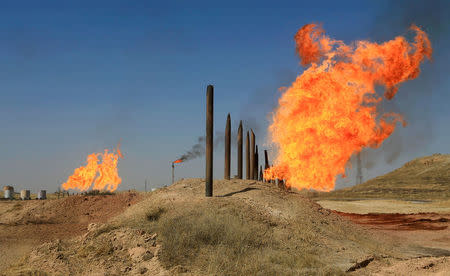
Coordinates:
<point>241,191</point>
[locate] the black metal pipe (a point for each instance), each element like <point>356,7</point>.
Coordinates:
<point>173,175</point>
<point>266,159</point>
<point>227,165</point>
<point>247,156</point>
<point>266,163</point>
<point>239,151</point>
<point>209,140</point>
<point>252,155</point>
<point>255,160</point>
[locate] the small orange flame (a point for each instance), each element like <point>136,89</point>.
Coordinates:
<point>330,111</point>
<point>103,175</point>
<point>177,161</point>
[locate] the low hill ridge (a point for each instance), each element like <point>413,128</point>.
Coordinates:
<point>422,178</point>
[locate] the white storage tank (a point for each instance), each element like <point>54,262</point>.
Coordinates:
<point>25,194</point>
<point>8,194</point>
<point>42,194</point>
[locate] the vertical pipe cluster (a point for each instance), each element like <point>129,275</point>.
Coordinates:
<point>239,151</point>
<point>254,170</point>
<point>227,148</point>
<point>209,140</point>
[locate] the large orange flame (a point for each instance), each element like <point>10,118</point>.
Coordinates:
<point>178,161</point>
<point>103,175</point>
<point>330,111</point>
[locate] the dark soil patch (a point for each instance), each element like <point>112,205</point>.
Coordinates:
<point>405,222</point>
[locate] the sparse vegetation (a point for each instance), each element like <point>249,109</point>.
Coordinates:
<point>97,192</point>
<point>105,248</point>
<point>32,272</point>
<point>17,206</point>
<point>214,241</point>
<point>105,228</point>
<point>38,220</point>
<point>154,214</point>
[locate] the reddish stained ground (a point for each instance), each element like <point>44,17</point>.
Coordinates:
<point>402,222</point>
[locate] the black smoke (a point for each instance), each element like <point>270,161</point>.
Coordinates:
<point>197,150</point>
<point>414,98</point>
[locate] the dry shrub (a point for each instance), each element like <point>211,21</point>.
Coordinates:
<point>224,241</point>
<point>155,213</point>
<point>185,235</point>
<point>98,192</point>
<point>38,220</point>
<point>105,248</point>
<point>31,273</point>
<point>105,228</point>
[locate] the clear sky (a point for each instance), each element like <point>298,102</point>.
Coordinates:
<point>77,76</point>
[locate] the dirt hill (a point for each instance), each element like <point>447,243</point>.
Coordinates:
<point>247,228</point>
<point>422,178</point>
<point>27,224</point>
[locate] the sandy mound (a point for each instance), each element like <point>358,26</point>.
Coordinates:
<point>103,250</point>
<point>278,231</point>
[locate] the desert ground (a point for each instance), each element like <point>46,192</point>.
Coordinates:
<point>27,224</point>
<point>247,228</point>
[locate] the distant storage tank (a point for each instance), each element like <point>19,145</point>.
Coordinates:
<point>7,187</point>
<point>25,194</point>
<point>8,194</point>
<point>42,194</point>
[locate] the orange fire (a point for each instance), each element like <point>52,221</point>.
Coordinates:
<point>177,161</point>
<point>330,111</point>
<point>103,175</point>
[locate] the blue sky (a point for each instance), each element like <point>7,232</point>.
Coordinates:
<point>78,76</point>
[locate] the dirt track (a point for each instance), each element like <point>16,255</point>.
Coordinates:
<point>26,224</point>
